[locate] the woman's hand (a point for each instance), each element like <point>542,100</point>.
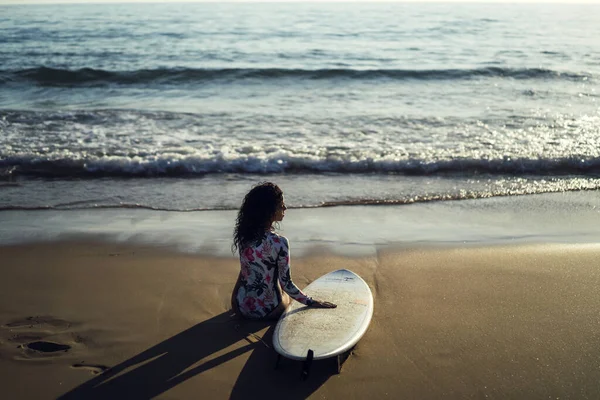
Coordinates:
<point>322,304</point>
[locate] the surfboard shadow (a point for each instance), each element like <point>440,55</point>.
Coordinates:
<point>260,378</point>
<point>161,367</point>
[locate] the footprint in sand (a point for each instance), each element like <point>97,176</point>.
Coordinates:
<point>45,337</point>
<point>36,337</point>
<point>40,349</point>
<point>21,339</point>
<point>46,347</point>
<point>93,368</point>
<point>38,322</point>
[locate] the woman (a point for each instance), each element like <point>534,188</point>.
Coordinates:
<point>264,258</point>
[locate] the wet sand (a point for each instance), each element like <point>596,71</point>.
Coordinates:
<point>85,320</point>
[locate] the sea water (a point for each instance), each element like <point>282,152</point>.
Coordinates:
<point>183,107</point>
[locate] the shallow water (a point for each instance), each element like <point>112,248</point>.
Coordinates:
<point>348,230</point>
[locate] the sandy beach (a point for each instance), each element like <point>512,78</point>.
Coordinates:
<point>141,322</point>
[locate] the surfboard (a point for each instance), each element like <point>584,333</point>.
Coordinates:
<point>305,333</point>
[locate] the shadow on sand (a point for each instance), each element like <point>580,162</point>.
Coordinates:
<point>167,364</point>
<point>260,379</point>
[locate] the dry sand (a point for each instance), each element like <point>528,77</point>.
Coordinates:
<point>517,322</point>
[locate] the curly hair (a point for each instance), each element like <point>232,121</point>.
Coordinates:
<point>256,214</point>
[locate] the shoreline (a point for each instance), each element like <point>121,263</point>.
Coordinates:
<point>571,217</point>
<point>511,321</point>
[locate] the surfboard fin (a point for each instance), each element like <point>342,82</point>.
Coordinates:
<point>306,365</point>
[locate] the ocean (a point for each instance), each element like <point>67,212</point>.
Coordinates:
<point>183,107</point>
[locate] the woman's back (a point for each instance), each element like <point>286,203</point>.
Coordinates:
<point>265,270</point>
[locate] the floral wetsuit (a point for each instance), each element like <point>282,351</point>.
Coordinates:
<point>262,266</point>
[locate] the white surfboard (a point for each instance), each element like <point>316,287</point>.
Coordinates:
<point>328,332</point>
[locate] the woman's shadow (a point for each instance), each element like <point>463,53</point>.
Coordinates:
<point>165,365</point>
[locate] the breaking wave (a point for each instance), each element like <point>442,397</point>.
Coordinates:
<point>196,166</point>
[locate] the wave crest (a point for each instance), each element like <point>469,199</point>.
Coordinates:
<point>45,76</point>
<point>191,166</point>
